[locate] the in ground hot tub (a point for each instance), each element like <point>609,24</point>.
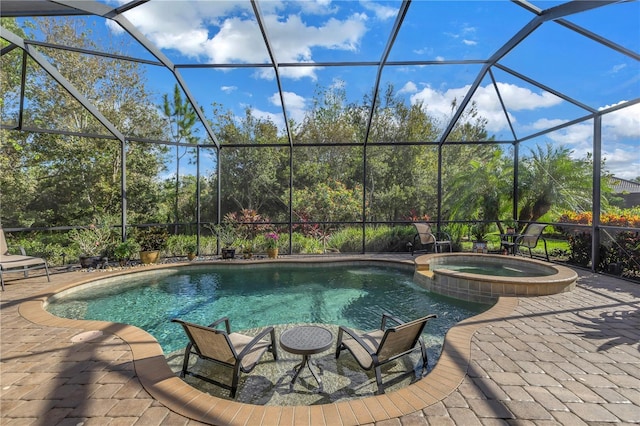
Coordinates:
<point>485,277</point>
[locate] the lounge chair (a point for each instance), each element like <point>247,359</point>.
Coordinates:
<point>425,238</point>
<point>529,239</point>
<point>234,350</point>
<point>379,347</point>
<point>18,262</point>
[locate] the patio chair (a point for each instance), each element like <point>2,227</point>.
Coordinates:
<point>529,239</point>
<point>378,347</point>
<point>18,262</point>
<point>425,238</point>
<point>236,351</point>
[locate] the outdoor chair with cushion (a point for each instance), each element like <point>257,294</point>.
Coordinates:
<point>529,239</point>
<point>236,351</point>
<point>425,238</point>
<point>378,347</point>
<point>18,262</point>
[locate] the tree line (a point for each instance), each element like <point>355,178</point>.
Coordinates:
<point>66,178</point>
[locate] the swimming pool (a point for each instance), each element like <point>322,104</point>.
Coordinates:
<point>262,294</point>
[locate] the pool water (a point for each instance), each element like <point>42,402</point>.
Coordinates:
<point>494,269</point>
<point>260,295</point>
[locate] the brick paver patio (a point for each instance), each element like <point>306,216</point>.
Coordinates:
<point>567,359</point>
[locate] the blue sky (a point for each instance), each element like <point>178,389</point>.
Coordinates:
<point>226,32</point>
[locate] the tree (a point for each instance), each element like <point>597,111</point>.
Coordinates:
<point>255,176</point>
<point>181,119</point>
<point>69,178</point>
<point>551,179</point>
<point>15,180</point>
<point>400,178</point>
<point>481,189</point>
<point>329,201</point>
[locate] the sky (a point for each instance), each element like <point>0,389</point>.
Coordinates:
<point>578,69</point>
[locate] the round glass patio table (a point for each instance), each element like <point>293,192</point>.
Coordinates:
<point>306,340</point>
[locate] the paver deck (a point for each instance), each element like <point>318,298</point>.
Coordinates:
<point>566,359</point>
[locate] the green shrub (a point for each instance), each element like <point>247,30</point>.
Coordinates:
<point>348,240</point>
<point>302,244</point>
<point>126,250</point>
<point>180,245</point>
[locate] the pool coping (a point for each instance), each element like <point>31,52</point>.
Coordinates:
<point>168,389</point>
<point>487,288</point>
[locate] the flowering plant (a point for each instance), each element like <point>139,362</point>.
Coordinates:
<point>272,239</point>
<point>92,240</point>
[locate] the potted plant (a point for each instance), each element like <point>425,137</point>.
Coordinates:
<point>92,241</point>
<point>226,233</point>
<point>152,240</point>
<point>124,251</point>
<point>479,233</point>
<point>510,226</point>
<point>271,238</point>
<point>247,249</point>
<point>191,249</point>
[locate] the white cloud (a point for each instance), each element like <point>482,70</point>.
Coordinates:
<point>487,102</point>
<point>276,118</point>
<point>114,27</point>
<point>546,123</point>
<point>296,108</point>
<point>623,162</point>
<point>623,123</point>
<point>294,101</point>
<point>238,40</point>
<point>622,156</point>
<point>467,29</point>
<point>229,89</point>
<point>296,104</point>
<point>423,51</point>
<point>620,140</point>
<point>173,25</point>
<point>618,67</point>
<point>317,7</point>
<point>292,38</point>
<point>381,12</point>
<point>520,98</point>
<point>579,136</point>
<point>338,84</point>
<point>409,87</point>
<point>297,73</point>
<point>226,32</point>
<point>465,33</point>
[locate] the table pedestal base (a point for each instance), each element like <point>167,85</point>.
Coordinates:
<point>306,340</point>
<point>306,360</point>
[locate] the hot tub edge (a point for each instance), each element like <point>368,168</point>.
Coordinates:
<point>486,288</point>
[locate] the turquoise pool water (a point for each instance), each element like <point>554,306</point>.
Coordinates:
<point>487,268</point>
<point>260,295</point>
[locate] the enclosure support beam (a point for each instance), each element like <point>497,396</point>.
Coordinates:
<point>597,162</point>
<point>516,160</point>
<point>439,190</point>
<point>198,207</point>
<point>123,190</point>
